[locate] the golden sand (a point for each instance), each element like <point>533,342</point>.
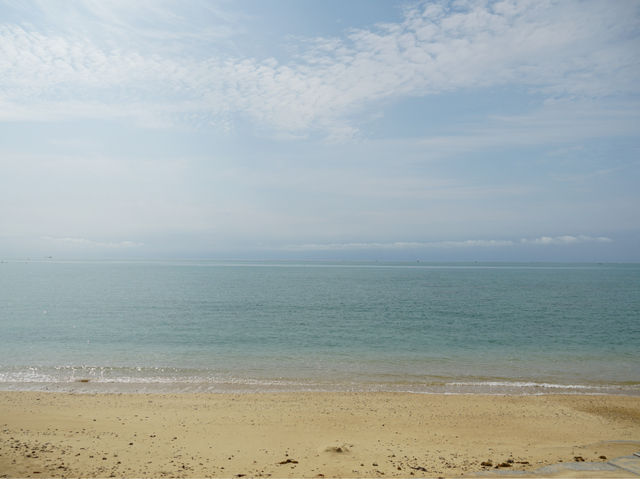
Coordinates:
<point>305,434</point>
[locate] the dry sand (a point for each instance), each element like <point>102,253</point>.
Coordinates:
<point>305,434</point>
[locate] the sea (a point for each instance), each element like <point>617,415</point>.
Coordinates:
<point>270,326</point>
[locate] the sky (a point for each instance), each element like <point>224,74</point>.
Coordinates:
<point>298,129</point>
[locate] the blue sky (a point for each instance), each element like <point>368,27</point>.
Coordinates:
<point>457,130</point>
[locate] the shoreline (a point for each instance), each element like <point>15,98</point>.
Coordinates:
<point>171,380</point>
<point>307,434</point>
<point>83,387</point>
<point>96,388</point>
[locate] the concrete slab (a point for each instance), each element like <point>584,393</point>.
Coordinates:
<point>628,463</point>
<point>625,466</point>
<point>575,466</point>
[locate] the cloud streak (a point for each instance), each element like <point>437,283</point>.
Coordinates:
<point>472,243</point>
<point>566,240</point>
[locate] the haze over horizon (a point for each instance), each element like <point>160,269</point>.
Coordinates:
<point>439,131</point>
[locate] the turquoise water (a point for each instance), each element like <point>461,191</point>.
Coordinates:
<point>268,326</point>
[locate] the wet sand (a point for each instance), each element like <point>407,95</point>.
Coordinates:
<point>306,434</point>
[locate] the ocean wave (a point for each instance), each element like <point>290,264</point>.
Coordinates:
<point>522,384</point>
<point>135,375</point>
<point>161,379</point>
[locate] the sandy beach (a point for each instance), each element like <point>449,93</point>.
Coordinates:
<point>306,434</point>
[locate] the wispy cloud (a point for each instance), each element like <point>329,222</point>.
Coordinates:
<point>472,243</point>
<point>84,242</point>
<point>582,50</point>
<point>566,240</point>
<point>555,122</point>
<point>398,245</point>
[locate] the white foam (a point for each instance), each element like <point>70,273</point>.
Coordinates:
<point>114,379</point>
<point>522,384</point>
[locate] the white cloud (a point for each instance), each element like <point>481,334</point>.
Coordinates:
<point>472,243</point>
<point>399,245</point>
<point>573,48</point>
<point>566,240</point>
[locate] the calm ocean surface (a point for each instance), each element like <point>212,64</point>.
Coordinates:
<point>271,326</point>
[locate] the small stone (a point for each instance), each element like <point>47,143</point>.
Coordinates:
<point>338,449</point>
<point>578,458</point>
<point>486,463</point>
<point>604,458</point>
<point>504,464</point>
